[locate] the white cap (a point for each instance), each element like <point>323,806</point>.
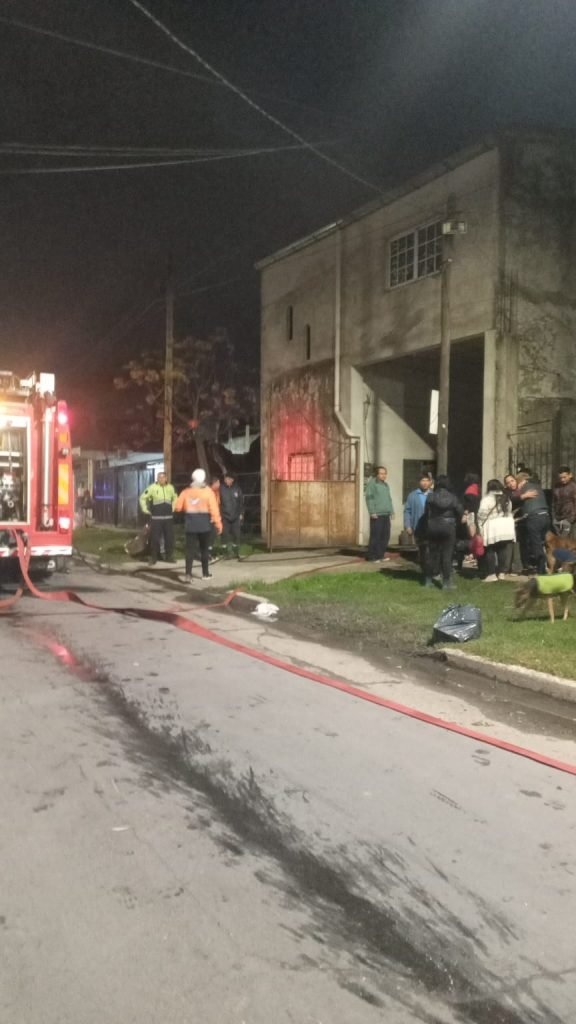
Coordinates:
<point>199,477</point>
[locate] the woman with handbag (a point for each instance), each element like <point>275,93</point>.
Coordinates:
<point>496,528</point>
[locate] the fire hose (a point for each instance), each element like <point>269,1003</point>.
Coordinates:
<point>196,629</point>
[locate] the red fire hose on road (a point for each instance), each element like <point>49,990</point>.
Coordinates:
<point>189,626</point>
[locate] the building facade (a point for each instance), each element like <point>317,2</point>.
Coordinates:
<point>351,324</point>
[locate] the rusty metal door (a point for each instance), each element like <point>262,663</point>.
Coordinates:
<point>312,465</point>
<point>313,513</point>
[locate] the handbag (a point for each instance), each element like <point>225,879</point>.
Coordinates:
<point>477,546</point>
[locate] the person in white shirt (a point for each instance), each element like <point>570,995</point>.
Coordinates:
<point>496,526</point>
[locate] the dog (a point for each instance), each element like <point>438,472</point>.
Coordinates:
<point>547,588</point>
<point>553,544</point>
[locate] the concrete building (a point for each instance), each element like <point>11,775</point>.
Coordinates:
<point>351,332</point>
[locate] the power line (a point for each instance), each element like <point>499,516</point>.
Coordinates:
<point>157,65</point>
<point>252,103</point>
<point>41,149</point>
<point>18,171</point>
<point>84,44</point>
<point>135,318</point>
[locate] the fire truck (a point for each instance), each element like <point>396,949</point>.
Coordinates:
<point>36,484</point>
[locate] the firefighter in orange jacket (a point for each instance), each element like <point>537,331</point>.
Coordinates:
<point>200,507</point>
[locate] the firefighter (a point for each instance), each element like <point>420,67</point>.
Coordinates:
<point>158,502</point>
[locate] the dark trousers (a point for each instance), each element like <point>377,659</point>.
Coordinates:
<point>203,542</point>
<point>161,528</point>
<point>379,537</point>
<point>536,530</point>
<point>522,539</point>
<point>423,556</point>
<point>498,557</point>
<point>231,531</point>
<point>441,544</point>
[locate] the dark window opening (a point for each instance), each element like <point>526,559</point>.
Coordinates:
<point>308,342</point>
<point>301,466</point>
<point>290,323</point>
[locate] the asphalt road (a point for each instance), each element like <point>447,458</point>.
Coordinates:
<point>190,835</point>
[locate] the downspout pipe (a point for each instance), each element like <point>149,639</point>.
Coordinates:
<point>344,426</point>
<point>338,336</point>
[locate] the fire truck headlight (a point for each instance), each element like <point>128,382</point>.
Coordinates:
<point>64,523</point>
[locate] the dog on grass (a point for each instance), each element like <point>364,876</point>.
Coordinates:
<point>555,544</point>
<point>546,588</point>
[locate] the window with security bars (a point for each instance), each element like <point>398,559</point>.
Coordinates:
<point>301,466</point>
<point>417,254</point>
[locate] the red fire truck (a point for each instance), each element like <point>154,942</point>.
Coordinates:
<point>36,485</point>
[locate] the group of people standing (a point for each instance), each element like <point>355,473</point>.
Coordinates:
<point>450,528</point>
<point>209,511</point>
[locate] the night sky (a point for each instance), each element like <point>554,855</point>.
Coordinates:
<point>387,86</point>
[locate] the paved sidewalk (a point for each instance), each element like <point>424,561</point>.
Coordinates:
<point>268,568</point>
<point>529,720</point>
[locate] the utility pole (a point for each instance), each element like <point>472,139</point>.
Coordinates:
<point>444,383</point>
<point>450,228</point>
<point>169,379</point>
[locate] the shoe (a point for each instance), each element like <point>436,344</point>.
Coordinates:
<point>492,578</point>
<point>448,585</point>
<point>153,561</point>
<point>429,582</point>
<point>207,576</point>
<point>503,576</point>
<point>187,578</point>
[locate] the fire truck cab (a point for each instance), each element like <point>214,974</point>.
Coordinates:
<point>36,486</point>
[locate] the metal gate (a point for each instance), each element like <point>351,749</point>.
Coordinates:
<point>316,514</point>
<point>313,471</point>
<point>541,448</point>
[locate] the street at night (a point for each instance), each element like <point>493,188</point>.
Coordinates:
<point>192,834</point>
<point>287,512</point>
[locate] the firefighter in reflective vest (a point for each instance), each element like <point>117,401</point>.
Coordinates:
<point>158,502</point>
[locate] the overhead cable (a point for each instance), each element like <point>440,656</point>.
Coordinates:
<point>125,328</point>
<point>102,49</point>
<point>88,169</point>
<point>157,65</point>
<point>41,149</point>
<point>252,103</point>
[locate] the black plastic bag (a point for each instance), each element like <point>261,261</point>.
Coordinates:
<point>459,622</point>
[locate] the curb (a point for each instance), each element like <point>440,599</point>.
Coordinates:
<point>515,675</point>
<point>236,600</point>
<point>243,602</point>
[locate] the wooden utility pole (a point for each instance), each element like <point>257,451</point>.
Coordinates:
<point>169,379</point>
<point>444,384</point>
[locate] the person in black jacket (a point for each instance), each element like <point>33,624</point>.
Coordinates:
<point>232,510</point>
<point>537,519</point>
<point>443,513</point>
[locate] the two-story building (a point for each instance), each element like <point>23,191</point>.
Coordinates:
<point>351,325</point>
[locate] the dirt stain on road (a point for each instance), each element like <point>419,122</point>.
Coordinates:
<point>343,917</point>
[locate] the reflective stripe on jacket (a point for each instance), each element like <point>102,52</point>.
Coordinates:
<point>158,502</point>
<point>201,509</point>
